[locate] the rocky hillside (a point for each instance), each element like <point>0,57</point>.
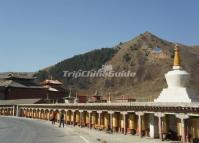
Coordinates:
<point>149,56</point>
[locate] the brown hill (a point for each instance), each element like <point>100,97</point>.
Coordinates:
<point>149,57</point>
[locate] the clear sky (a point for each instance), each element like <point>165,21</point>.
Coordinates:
<point>37,33</point>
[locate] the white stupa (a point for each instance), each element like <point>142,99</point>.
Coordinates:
<point>177,81</point>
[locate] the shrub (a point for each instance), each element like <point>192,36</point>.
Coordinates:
<point>127,57</point>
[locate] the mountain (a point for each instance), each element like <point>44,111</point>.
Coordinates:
<point>149,56</point>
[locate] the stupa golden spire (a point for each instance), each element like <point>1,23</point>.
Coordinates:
<point>176,61</point>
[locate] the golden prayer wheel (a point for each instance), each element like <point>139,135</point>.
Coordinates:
<point>37,113</point>
<point>179,127</point>
<point>87,118</point>
<point>10,112</point>
<point>106,120</point>
<point>68,117</point>
<point>94,118</point>
<point>132,121</point>
<point>121,121</point>
<point>72,117</point>
<point>83,117</point>
<point>165,124</point>
<point>40,114</point>
<point>77,117</point>
<point>33,114</point>
<point>43,117</point>
<point>195,127</point>
<point>29,113</point>
<point>144,121</point>
<point>115,120</point>
<point>48,115</point>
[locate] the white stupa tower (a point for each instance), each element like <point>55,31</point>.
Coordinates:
<point>177,81</point>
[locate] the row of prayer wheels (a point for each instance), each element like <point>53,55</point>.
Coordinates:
<point>116,121</point>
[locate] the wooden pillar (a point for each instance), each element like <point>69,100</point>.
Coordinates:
<point>90,113</point>
<point>65,117</point>
<point>24,112</point>
<point>73,118</point>
<point>124,114</point>
<point>99,117</point>
<point>160,126</point>
<point>182,118</point>
<point>160,123</point>
<point>80,118</point>
<point>140,114</point>
<point>36,114</point>
<point>42,114</point>
<point>111,120</point>
<point>106,120</point>
<point>32,113</point>
<point>87,119</point>
<point>94,119</point>
<point>83,123</point>
<point>68,117</point>
<point>131,123</point>
<point>115,122</point>
<point>183,130</point>
<point>27,113</point>
<point>39,114</point>
<point>77,118</point>
<point>13,111</point>
<point>194,127</point>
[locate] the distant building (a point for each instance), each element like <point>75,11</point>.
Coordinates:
<point>69,98</point>
<point>55,91</point>
<point>82,98</point>
<point>75,97</point>
<point>23,87</point>
<point>14,86</point>
<point>96,98</point>
<point>124,99</point>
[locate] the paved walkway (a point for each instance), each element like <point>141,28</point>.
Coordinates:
<point>19,130</point>
<point>103,137</point>
<point>23,130</point>
<point>95,136</point>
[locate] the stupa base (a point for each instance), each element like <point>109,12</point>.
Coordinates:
<point>177,94</point>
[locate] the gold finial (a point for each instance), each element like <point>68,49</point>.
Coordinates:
<point>176,61</point>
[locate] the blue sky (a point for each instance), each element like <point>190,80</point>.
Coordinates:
<point>37,33</point>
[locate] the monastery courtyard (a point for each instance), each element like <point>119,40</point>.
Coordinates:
<point>44,132</point>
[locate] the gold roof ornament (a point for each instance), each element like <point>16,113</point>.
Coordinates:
<point>177,61</point>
